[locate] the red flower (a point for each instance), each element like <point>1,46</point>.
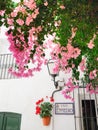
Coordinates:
<point>42,105</point>
<point>39,101</point>
<point>51,99</point>
<point>38,110</point>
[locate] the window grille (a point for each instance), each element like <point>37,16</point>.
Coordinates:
<point>86,110</point>
<point>6,61</point>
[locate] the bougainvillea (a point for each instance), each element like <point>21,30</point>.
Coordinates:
<point>68,28</point>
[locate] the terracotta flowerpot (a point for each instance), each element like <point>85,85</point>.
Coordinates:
<point>46,120</point>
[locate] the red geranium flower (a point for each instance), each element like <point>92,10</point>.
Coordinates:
<point>51,99</point>
<point>44,106</point>
<point>38,110</point>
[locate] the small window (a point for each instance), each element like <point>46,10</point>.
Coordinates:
<point>10,121</point>
<point>89,115</point>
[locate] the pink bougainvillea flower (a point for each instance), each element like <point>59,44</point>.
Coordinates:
<point>29,54</point>
<point>76,53</point>
<point>13,14</point>
<point>68,89</point>
<point>45,3</point>
<point>20,21</point>
<point>57,23</point>
<point>91,45</point>
<point>30,4</point>
<point>90,89</point>
<point>82,65</point>
<point>73,30</point>
<point>93,74</point>
<point>29,19</point>
<point>10,21</point>
<point>2,12</point>
<point>62,7</point>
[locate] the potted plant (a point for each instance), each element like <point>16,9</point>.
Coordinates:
<point>44,109</point>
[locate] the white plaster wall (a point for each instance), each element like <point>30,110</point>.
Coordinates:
<point>20,95</point>
<point>4,44</point>
<point>62,122</point>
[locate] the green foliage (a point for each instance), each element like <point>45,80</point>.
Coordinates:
<point>77,13</point>
<point>46,109</point>
<point>81,14</point>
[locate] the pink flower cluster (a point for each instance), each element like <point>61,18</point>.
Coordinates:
<point>93,74</point>
<point>91,43</point>
<point>68,89</point>
<point>23,57</point>
<point>82,65</point>
<point>90,89</point>
<point>29,55</point>
<point>27,16</point>
<point>2,12</point>
<point>63,54</point>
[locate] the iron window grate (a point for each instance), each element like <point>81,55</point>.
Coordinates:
<point>6,61</point>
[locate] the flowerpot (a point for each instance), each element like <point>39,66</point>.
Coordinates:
<point>46,120</point>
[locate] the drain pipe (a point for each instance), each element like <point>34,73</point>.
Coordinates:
<point>60,88</point>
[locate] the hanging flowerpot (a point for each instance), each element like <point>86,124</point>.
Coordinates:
<point>46,120</point>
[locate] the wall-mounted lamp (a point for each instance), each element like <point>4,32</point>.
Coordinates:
<point>58,83</point>
<point>51,65</point>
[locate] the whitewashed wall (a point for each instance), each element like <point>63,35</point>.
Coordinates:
<point>20,95</point>
<point>4,44</point>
